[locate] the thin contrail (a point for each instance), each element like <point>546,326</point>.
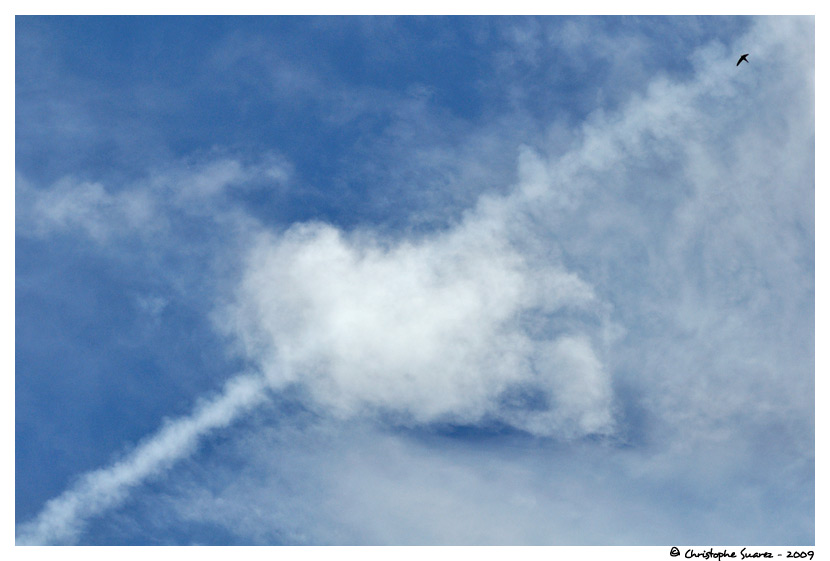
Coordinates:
<point>62,519</point>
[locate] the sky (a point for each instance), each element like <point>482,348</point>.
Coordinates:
<point>414,280</point>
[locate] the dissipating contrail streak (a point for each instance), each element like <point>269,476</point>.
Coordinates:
<point>62,518</point>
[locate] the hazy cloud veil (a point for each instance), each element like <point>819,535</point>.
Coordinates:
<point>609,341</point>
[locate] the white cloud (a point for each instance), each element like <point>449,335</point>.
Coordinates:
<point>690,211</point>
<point>63,517</point>
<point>82,206</point>
<point>144,207</point>
<point>433,330</point>
<point>349,484</point>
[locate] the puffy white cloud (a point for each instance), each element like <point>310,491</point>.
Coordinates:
<point>435,330</point>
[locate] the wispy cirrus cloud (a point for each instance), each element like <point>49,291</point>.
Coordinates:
<point>147,207</point>
<point>62,518</point>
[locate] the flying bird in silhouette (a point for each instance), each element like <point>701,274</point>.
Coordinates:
<point>743,58</point>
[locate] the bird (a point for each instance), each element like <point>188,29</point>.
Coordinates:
<point>743,58</point>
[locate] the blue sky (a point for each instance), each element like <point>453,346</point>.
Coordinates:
<point>457,280</point>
